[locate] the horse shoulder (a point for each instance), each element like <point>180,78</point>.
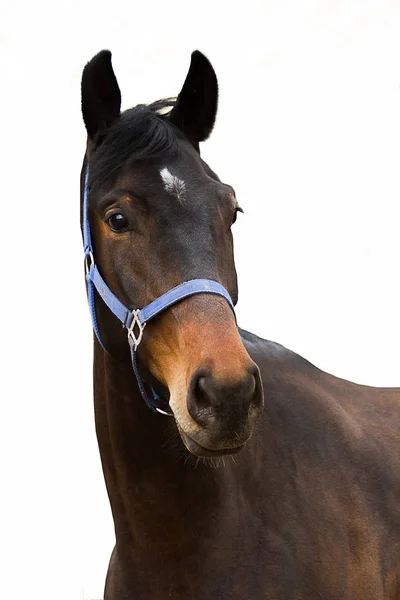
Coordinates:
<point>331,449</point>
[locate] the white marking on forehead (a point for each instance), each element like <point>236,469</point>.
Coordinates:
<point>173,184</point>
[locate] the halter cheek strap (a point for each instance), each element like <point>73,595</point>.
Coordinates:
<point>134,320</point>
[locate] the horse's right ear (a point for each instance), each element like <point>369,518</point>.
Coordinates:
<point>101,98</point>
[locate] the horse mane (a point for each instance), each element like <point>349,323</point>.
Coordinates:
<point>140,133</point>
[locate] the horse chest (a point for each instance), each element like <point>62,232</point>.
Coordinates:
<point>246,558</point>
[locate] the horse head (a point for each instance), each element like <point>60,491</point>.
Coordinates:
<point>159,216</point>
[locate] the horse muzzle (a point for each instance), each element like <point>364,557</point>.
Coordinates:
<point>222,412</point>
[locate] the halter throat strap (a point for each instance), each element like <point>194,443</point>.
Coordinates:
<point>134,320</point>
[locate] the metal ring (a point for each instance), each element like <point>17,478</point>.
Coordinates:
<point>89,261</point>
<point>164,413</point>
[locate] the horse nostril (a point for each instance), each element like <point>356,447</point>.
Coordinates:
<point>204,391</point>
<point>200,399</point>
<point>256,394</point>
<point>200,385</point>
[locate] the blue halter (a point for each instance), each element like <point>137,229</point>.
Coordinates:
<point>135,320</point>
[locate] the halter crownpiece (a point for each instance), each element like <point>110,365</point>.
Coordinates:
<point>134,320</point>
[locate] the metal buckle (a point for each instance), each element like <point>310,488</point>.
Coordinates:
<point>89,261</point>
<point>133,338</point>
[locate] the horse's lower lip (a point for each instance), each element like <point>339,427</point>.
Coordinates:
<point>202,452</point>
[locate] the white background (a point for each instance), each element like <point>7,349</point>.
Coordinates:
<point>308,134</point>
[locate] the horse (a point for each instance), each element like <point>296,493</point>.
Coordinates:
<point>235,469</point>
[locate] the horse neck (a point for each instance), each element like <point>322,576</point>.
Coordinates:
<point>150,477</point>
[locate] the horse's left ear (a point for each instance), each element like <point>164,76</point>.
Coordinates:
<point>196,106</point>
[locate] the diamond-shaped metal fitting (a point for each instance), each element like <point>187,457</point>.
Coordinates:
<point>135,330</point>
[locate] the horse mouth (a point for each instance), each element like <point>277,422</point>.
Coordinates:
<point>202,452</point>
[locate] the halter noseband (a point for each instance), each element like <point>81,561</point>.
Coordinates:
<point>135,320</point>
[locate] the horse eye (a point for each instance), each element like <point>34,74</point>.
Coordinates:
<point>118,222</point>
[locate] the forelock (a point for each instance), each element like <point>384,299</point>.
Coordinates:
<point>140,133</point>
